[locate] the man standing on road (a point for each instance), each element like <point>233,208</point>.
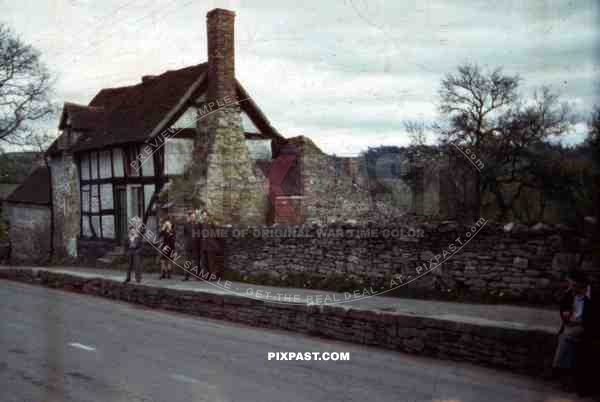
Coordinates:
<point>572,358</point>
<point>209,245</point>
<point>134,254</point>
<point>191,252</point>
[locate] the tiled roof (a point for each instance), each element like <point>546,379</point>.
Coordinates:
<point>129,114</point>
<point>34,190</point>
<point>83,117</point>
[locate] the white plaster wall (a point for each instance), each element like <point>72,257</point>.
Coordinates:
<point>187,119</point>
<point>247,124</point>
<point>178,154</point>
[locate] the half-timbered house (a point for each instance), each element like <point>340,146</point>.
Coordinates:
<point>97,188</point>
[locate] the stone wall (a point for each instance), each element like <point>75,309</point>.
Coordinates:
<point>482,262</point>
<point>231,191</point>
<point>428,181</point>
<point>526,351</point>
<point>66,204</point>
<point>29,232</point>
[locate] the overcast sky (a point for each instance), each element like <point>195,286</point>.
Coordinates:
<point>345,73</point>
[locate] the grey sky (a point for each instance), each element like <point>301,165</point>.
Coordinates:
<point>345,73</point>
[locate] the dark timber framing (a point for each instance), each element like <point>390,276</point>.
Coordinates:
<point>94,182</point>
<point>130,150</point>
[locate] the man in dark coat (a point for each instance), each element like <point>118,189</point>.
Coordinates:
<point>191,251</point>
<point>577,330</point>
<point>210,246</point>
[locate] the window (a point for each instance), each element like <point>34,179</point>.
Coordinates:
<point>85,198</point>
<point>132,156</point>
<point>85,166</point>
<point>106,196</point>
<point>94,165</point>
<point>118,162</point>
<point>105,168</point>
<point>147,162</point>
<point>136,201</point>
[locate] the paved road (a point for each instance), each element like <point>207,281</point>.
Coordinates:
<point>58,346</point>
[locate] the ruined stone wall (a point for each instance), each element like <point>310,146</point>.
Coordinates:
<point>66,203</point>
<point>29,232</point>
<point>411,181</point>
<point>479,262</point>
<point>333,189</point>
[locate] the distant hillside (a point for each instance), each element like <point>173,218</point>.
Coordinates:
<point>15,166</point>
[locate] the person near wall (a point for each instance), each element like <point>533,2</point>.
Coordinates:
<point>167,249</point>
<point>191,252</point>
<point>208,244</point>
<point>134,254</point>
<point>572,357</point>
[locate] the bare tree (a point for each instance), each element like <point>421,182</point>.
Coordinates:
<point>484,111</point>
<point>593,140</point>
<point>473,102</point>
<point>593,136</point>
<point>517,152</point>
<point>25,87</point>
<point>417,131</point>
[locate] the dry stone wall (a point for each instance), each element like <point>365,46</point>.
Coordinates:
<point>29,232</point>
<point>482,261</point>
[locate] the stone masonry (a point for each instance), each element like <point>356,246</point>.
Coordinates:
<point>230,190</point>
<point>66,204</point>
<point>480,261</point>
<point>29,232</point>
<point>427,181</point>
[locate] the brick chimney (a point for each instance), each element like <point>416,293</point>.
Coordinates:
<point>223,173</point>
<point>221,54</point>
